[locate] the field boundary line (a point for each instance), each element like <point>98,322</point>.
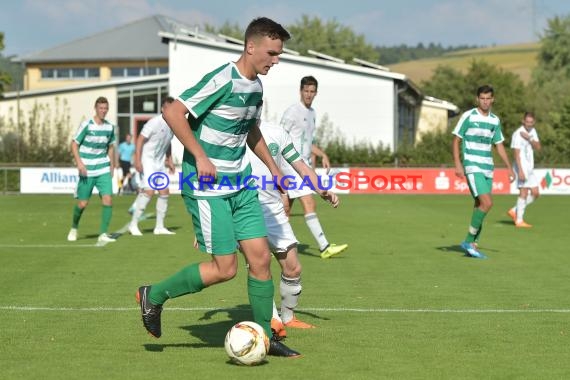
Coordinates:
<point>306,309</point>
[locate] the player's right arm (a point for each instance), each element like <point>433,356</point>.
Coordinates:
<point>517,154</point>
<point>175,117</point>
<point>80,166</point>
<point>141,140</point>
<point>457,156</point>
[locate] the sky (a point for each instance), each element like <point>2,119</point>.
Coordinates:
<point>34,25</point>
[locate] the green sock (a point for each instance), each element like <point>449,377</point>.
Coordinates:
<point>187,281</point>
<point>476,224</point>
<point>106,218</point>
<point>77,212</point>
<point>261,299</point>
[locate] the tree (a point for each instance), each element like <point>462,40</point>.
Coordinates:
<point>228,29</point>
<point>555,46</point>
<point>330,38</point>
<point>510,91</point>
<point>5,79</point>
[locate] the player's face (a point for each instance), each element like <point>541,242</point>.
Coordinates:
<point>264,53</point>
<point>528,122</point>
<point>485,101</point>
<point>101,110</point>
<point>308,93</point>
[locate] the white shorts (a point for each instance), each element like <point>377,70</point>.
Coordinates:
<point>295,183</point>
<point>279,232</point>
<point>530,181</point>
<point>149,168</point>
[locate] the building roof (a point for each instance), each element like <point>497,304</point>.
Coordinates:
<point>134,41</point>
<point>149,79</point>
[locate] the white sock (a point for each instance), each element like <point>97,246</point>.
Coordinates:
<point>161,208</point>
<point>314,225</point>
<point>521,205</point>
<point>275,313</point>
<point>140,204</point>
<point>290,289</point>
<point>529,199</point>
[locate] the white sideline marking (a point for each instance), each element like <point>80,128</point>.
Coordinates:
<point>48,245</point>
<point>312,309</point>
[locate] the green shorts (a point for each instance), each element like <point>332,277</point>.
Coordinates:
<point>479,184</point>
<point>219,223</point>
<point>85,186</point>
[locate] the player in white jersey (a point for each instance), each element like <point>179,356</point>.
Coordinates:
<point>299,120</point>
<point>524,142</point>
<point>152,155</point>
<point>279,232</point>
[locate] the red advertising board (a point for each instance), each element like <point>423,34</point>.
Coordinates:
<point>412,181</point>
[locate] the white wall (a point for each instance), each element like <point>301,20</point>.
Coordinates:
<point>80,104</point>
<point>360,105</point>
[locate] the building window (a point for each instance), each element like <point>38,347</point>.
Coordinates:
<point>121,72</point>
<point>70,73</point>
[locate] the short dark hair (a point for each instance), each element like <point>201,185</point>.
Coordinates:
<point>485,89</point>
<point>101,100</point>
<point>529,114</point>
<point>168,99</point>
<point>309,80</point>
<point>265,27</point>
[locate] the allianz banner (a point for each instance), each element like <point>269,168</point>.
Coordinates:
<point>51,181</point>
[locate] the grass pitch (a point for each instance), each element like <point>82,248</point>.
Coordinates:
<point>402,303</point>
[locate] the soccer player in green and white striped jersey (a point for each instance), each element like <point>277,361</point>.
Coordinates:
<point>224,109</point>
<point>94,152</point>
<point>474,136</point>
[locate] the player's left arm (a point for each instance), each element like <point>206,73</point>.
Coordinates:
<point>503,154</point>
<point>305,171</point>
<point>112,157</point>
<point>324,158</point>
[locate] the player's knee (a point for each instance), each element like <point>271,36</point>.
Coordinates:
<point>82,204</point>
<point>227,273</point>
<point>293,271</point>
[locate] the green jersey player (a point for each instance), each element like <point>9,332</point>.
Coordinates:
<point>474,136</point>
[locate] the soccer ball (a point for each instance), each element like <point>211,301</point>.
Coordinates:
<point>246,343</point>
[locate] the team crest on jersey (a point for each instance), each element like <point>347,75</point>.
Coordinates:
<point>273,149</point>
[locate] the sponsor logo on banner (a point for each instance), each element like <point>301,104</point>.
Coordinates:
<point>550,181</point>
<point>415,181</point>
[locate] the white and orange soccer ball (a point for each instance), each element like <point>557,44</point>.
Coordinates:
<point>246,343</point>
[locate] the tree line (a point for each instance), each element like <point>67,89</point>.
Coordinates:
<point>546,94</point>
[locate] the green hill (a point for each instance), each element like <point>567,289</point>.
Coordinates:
<point>520,59</point>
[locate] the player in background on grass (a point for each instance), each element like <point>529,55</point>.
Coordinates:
<point>299,120</point>
<point>153,155</point>
<point>280,235</point>
<point>94,153</point>
<point>524,142</point>
<point>224,109</point>
<point>474,136</point>
<point>126,152</point>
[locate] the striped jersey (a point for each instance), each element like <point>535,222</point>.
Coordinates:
<point>300,122</point>
<point>94,141</point>
<point>283,152</point>
<point>222,106</point>
<point>478,133</point>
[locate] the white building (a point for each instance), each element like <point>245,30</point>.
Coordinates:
<point>361,100</point>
